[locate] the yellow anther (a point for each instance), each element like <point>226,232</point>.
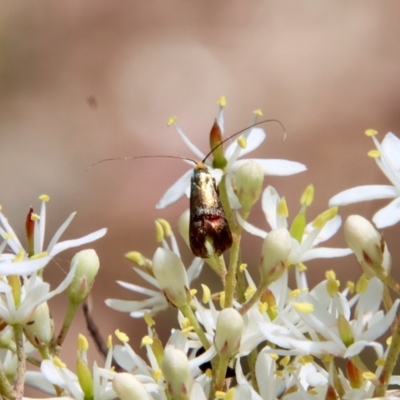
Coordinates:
<point>206,294</point>
<point>35,217</point>
<point>242,142</point>
<point>351,286</point>
<point>305,359</point>
<point>369,375</point>
<point>324,217</point>
<point>305,308</point>
<point>136,257</point>
<point>187,330</point>
<point>263,308</point>
<point>148,319</point>
<point>222,101</point>
<point>371,132</point>
<point>380,362</point>
<point>258,112</point>
<point>279,374</point>
<point>374,153</point>
<point>19,257</point>
<point>83,344</point>
<point>209,373</point>
<point>123,337</point>
<point>9,236</point>
<point>172,120</point>
<point>109,341</point>
<point>230,394</point>
<point>146,341</point>
<point>219,394</point>
<point>308,196</point>
<point>58,363</point>
<point>157,374</point>
<point>285,361</point>
<point>242,267</point>
<point>328,358</point>
<point>282,208</point>
<point>302,267</point>
<point>249,292</point>
<point>185,323</point>
<point>389,340</point>
<point>159,232</point>
<point>294,293</point>
<point>166,226</point>
<point>332,287</point>
<point>330,274</point>
<point>193,292</point>
<point>274,356</point>
<point>362,284</point>
<point>44,197</point>
<point>222,299</point>
<point>39,255</point>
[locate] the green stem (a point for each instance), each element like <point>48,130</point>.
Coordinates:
<point>188,313</point>
<point>6,390</point>
<point>231,276</point>
<point>393,353</point>
<point>220,373</point>
<point>251,362</point>
<point>69,316</point>
<point>21,367</point>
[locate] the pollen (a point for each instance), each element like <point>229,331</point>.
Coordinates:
<point>157,374</point>
<point>258,112</point>
<point>149,320</point>
<point>206,294</point>
<point>20,256</point>
<point>350,286</point>
<point>285,361</point>
<point>172,120</point>
<point>123,337</point>
<point>305,308</point>
<point>369,375</point>
<point>159,232</point>
<point>294,293</point>
<point>282,208</point>
<point>374,153</point>
<point>242,267</point>
<point>44,197</point>
<point>220,394</point>
<point>58,363</point>
<point>371,132</point>
<point>109,342</point>
<point>166,226</point>
<point>35,217</point>
<point>146,340</point>
<point>380,362</point>
<point>242,142</point>
<point>330,274</point>
<point>249,292</point>
<point>222,101</point>
<point>136,257</point>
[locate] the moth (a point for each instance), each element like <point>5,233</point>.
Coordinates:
<point>208,226</point>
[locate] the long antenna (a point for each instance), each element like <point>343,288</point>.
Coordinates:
<point>244,130</point>
<point>186,158</point>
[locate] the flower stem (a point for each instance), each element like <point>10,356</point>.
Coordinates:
<point>69,316</point>
<point>256,296</point>
<point>220,373</point>
<point>393,353</point>
<point>188,313</point>
<point>21,367</point>
<point>231,276</point>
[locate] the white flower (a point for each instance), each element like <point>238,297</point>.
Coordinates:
<point>254,136</point>
<point>311,237</point>
<point>387,157</point>
<point>19,261</point>
<point>155,300</point>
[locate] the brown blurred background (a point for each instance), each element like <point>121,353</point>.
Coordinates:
<point>86,80</point>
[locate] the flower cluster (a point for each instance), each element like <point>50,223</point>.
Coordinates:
<point>258,337</point>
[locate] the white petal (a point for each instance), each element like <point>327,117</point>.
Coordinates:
<point>199,154</point>
<point>389,215</point>
<point>324,252</point>
<point>276,167</point>
<point>59,232</point>
<point>269,203</point>
<point>329,229</point>
<point>254,139</point>
<point>390,150</point>
<point>363,193</point>
<point>357,348</point>
<point>68,244</point>
<point>24,267</point>
<point>250,228</point>
<point>176,191</point>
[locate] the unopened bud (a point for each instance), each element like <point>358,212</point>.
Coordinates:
<point>228,332</point>
<point>40,327</point>
<point>127,387</point>
<point>275,252</point>
<point>218,151</point>
<point>171,276</point>
<point>249,180</point>
<point>176,370</point>
<point>364,240</point>
<point>87,267</point>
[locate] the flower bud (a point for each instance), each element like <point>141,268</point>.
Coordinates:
<point>228,332</point>
<point>40,327</point>
<point>218,150</point>
<point>127,387</point>
<point>87,267</point>
<point>275,252</point>
<point>175,367</point>
<point>354,375</point>
<point>364,240</point>
<point>171,276</point>
<point>249,180</point>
